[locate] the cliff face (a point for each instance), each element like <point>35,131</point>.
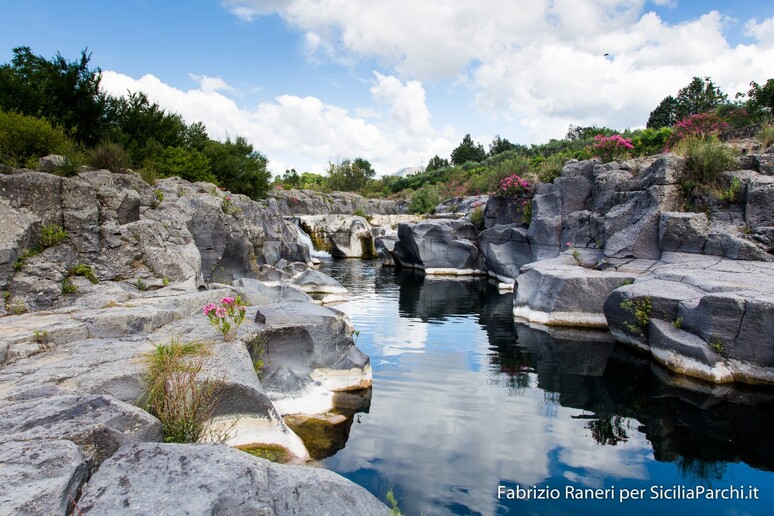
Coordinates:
<point>612,246</point>
<point>130,232</point>
<point>308,202</point>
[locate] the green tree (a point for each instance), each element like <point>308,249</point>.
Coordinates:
<point>760,99</point>
<point>500,145</point>
<point>24,139</point>
<point>468,151</point>
<point>238,167</point>
<point>189,164</point>
<point>291,179</point>
<point>699,96</point>
<point>436,162</point>
<point>350,176</point>
<point>66,93</point>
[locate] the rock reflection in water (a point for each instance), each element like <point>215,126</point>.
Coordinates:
<point>488,402</point>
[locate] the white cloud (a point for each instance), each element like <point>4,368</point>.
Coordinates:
<point>303,132</point>
<point>537,63</point>
<point>763,31</point>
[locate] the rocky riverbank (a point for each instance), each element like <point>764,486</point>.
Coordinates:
<point>98,270</point>
<point>612,246</point>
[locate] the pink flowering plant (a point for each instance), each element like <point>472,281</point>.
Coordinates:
<point>513,186</point>
<point>227,317</point>
<point>611,148</point>
<point>700,124</point>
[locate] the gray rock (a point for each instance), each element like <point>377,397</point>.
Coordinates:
<point>40,477</point>
<point>438,244</point>
<point>213,479</point>
<point>759,202</point>
<point>683,232</point>
<point>51,163</point>
<point>16,234</point>
<point>460,206</point>
<point>504,210</point>
<point>385,245</point>
<point>345,236</point>
<point>505,250</point>
<point>256,293</point>
<point>99,425</point>
<point>312,281</point>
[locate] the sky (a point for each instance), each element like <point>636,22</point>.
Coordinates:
<point>310,82</point>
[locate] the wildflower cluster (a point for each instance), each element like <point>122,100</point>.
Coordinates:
<point>227,317</point>
<point>611,148</point>
<point>228,206</point>
<point>701,124</point>
<point>513,186</point>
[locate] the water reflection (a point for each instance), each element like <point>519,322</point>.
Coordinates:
<point>465,400</point>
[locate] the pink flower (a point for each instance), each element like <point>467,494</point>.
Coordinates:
<point>209,307</point>
<point>227,300</point>
<point>220,312</point>
<point>569,244</point>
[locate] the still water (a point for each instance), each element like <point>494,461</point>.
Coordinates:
<point>464,400</point>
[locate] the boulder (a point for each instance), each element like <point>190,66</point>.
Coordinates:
<point>41,476</point>
<point>213,479</point>
<point>345,236</point>
<point>505,249</point>
<point>313,281</point>
<point>759,202</point>
<point>310,355</point>
<point>504,210</point>
<point>442,246</point>
<point>460,206</point>
<point>51,163</point>
<point>683,232</point>
<point>257,293</point>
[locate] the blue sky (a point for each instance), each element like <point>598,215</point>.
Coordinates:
<point>313,81</point>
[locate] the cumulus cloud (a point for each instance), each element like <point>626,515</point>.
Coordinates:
<point>537,63</point>
<point>302,132</point>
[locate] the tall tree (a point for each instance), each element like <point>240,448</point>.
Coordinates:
<point>699,96</point>
<point>500,145</point>
<point>760,99</point>
<point>66,93</point>
<point>350,176</point>
<point>239,167</point>
<point>435,163</point>
<point>467,150</point>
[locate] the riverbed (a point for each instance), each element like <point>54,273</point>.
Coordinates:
<point>472,413</point>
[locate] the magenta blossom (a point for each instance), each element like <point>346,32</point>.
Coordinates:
<point>209,307</point>
<point>227,300</point>
<point>227,317</point>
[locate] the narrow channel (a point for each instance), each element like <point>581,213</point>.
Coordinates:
<point>465,400</point>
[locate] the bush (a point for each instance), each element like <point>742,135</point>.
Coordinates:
<point>766,135</point>
<point>611,148</point>
<point>86,271</point>
<point>173,394</point>
<point>51,235</point>
<point>425,200</point>
<point>25,139</point>
<point>650,141</point>
<point>108,156</point>
<point>548,169</point>
<point>705,158</point>
<point>189,164</point>
<point>702,124</point>
<point>477,216</point>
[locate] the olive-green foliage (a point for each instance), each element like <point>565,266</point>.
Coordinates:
<point>760,100</point>
<point>468,150</point>
<point>705,158</point>
<point>734,189</point>
<point>173,394</point>
<point>238,167</point>
<point>108,156</point>
<point>548,169</point>
<point>698,96</point>
<point>87,271</point>
<point>425,200</point>
<point>349,176</point>
<point>68,287</point>
<point>51,235</point>
<point>24,139</point>
<point>66,93</point>
<point>641,310</point>
<point>394,509</point>
<point>189,164</point>
<point>477,216</point>
<point>766,135</point>
<point>650,141</point>
<point>436,162</point>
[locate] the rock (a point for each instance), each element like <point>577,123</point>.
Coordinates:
<point>308,202</point>
<point>545,230</point>
<point>214,479</point>
<point>311,354</point>
<point>685,353</point>
<point>51,163</point>
<point>505,250</point>
<point>559,292</point>
<point>99,425</point>
<point>759,202</point>
<point>439,246</point>
<point>256,293</point>
<point>342,235</point>
<point>16,234</point>
<point>41,476</point>
<point>460,206</point>
<point>385,245</point>
<point>312,281</point>
<point>504,210</point>
<point>683,232</point>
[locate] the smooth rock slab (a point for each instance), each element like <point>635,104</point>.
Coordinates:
<point>41,476</point>
<point>151,478</point>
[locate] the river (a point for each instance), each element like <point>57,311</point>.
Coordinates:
<point>468,407</point>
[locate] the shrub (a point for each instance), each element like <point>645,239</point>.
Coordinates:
<point>766,135</point>
<point>548,169</point>
<point>227,317</point>
<point>705,158</point>
<point>513,186</point>
<point>109,156</point>
<point>526,211</point>
<point>640,309</point>
<point>86,271</point>
<point>650,141</point>
<point>24,139</point>
<point>256,346</point>
<point>477,216</point>
<point>68,287</point>
<point>611,148</point>
<point>158,198</point>
<point>702,124</point>
<point>173,394</point>
<point>149,174</point>
<point>51,235</point>
<point>424,200</point>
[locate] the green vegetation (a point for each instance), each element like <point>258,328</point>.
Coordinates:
<point>678,323</point>
<point>699,96</point>
<point>256,347</point>
<point>56,106</point>
<point>394,509</point>
<point>705,158</point>
<point>140,285</point>
<point>40,336</point>
<point>766,135</point>
<point>717,345</point>
<point>173,394</point>
<point>87,271</point>
<point>731,195</point>
<point>51,235</point>
<point>477,216</point>
<point>641,310</point>
<point>158,198</point>
<point>68,287</point>
<point>272,452</point>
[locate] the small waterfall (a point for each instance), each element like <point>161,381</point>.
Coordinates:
<point>306,240</point>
